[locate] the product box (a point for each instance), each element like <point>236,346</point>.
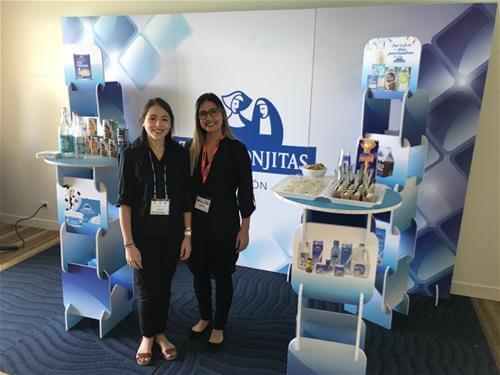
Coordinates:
<point>366,159</point>
<point>385,162</point>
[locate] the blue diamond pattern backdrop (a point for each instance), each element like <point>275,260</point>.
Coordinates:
<point>460,49</point>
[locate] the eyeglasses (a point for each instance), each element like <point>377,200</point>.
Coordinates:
<point>212,113</point>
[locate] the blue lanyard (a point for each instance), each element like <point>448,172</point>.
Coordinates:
<point>154,177</point>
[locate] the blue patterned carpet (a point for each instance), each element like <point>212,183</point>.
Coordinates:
<point>443,340</point>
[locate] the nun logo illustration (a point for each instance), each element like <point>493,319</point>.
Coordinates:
<point>261,129</point>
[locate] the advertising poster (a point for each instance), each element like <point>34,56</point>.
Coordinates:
<point>292,83</point>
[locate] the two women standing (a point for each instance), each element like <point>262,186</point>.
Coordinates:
<point>160,185</point>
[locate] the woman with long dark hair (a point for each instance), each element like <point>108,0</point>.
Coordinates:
<point>155,218</point>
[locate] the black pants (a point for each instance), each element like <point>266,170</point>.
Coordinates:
<point>217,257</point>
<point>159,260</point>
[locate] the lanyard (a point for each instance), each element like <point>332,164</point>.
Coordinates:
<point>205,169</point>
<point>154,177</point>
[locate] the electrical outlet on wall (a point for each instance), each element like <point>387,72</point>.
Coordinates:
<point>46,203</point>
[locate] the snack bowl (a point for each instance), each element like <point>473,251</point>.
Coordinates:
<point>313,170</point>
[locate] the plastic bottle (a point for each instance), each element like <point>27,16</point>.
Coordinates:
<point>344,163</point>
<point>360,263</point>
<point>335,253</point>
<point>317,251</point>
<point>80,140</point>
<point>373,78</point>
<point>345,256</point>
<point>65,138</point>
<point>380,67</point>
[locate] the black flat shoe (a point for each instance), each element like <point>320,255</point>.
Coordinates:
<point>195,335</point>
<point>214,346</point>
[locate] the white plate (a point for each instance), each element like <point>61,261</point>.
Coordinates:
<point>378,196</point>
<point>308,188</point>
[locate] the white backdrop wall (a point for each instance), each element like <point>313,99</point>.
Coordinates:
<point>30,79</point>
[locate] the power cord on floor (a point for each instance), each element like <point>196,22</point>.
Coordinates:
<point>16,247</point>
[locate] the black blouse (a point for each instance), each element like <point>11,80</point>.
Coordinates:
<point>135,187</point>
<point>229,188</point>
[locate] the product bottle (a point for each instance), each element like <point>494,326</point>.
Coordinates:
<point>65,138</point>
<point>335,253</point>
<point>373,78</point>
<point>403,79</point>
<point>122,138</point>
<point>80,141</point>
<point>379,67</point>
<point>345,256</point>
<point>360,263</point>
<point>309,265</point>
<point>304,253</point>
<point>344,163</point>
<point>317,252</point>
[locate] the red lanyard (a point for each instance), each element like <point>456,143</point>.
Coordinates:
<point>205,169</point>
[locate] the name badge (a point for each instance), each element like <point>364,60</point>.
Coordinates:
<point>202,204</point>
<point>160,207</point>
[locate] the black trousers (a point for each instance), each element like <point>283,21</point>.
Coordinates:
<point>159,261</point>
<point>217,257</point>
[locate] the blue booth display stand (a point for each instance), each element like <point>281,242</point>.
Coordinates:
<point>394,113</point>
<point>96,281</point>
<point>397,231</point>
<point>330,342</point>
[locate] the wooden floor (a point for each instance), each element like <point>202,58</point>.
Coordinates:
<point>488,313</point>
<point>38,240</point>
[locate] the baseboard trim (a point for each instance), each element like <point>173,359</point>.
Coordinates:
<point>34,222</point>
<point>475,290</point>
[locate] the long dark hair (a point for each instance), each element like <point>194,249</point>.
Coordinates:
<point>163,104</point>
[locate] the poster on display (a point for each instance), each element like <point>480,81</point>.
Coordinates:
<point>391,64</point>
<point>290,88</point>
<point>81,206</point>
<point>83,69</point>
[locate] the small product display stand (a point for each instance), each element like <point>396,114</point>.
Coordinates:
<point>96,281</point>
<point>331,342</point>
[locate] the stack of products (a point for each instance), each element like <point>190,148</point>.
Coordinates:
<point>80,136</point>
<point>341,260</point>
<point>357,182</point>
<point>387,77</point>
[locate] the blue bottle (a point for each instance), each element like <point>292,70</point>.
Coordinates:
<point>345,255</point>
<point>317,251</point>
<point>335,253</point>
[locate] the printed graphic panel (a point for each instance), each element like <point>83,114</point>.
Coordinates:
<point>289,81</point>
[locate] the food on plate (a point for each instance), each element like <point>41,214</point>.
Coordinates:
<point>315,166</point>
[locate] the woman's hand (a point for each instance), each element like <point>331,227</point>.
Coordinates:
<point>242,239</point>
<point>185,248</point>
<point>133,257</point>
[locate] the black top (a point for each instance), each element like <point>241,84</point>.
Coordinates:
<point>229,188</point>
<point>135,187</point>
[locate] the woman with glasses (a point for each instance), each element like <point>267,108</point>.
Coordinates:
<point>224,200</point>
<point>155,218</point>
